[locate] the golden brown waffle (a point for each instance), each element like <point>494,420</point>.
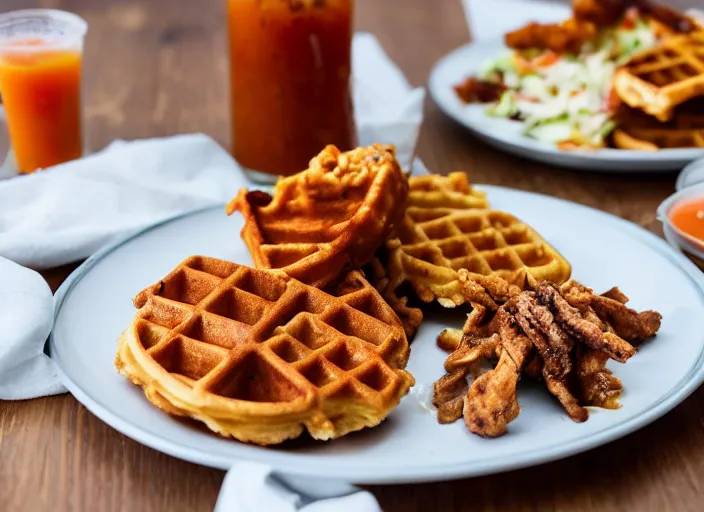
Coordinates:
<point>637,130</point>
<point>448,226</point>
<point>329,218</point>
<point>259,356</point>
<point>659,79</point>
<point>655,139</point>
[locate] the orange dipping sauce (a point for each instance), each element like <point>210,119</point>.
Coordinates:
<point>290,65</point>
<point>41,95</point>
<point>688,217</point>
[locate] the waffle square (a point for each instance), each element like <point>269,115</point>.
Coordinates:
<point>637,130</point>
<point>260,356</point>
<point>659,79</point>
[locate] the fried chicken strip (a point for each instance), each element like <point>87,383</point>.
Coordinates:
<point>580,297</point>
<point>448,395</point>
<point>474,293</point>
<point>450,339</point>
<point>449,392</point>
<point>577,295</point>
<point>616,294</point>
<point>610,307</point>
<point>471,351</point>
<point>628,323</point>
<point>534,319</point>
<point>597,386</point>
<point>475,90</point>
<point>497,288</point>
<point>565,37</point>
<point>589,17</point>
<point>583,330</point>
<point>604,13</point>
<point>491,402</point>
<point>534,367</point>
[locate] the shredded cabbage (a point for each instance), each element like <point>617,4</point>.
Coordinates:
<point>568,99</point>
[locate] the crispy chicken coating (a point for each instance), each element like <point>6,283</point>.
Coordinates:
<point>565,37</point>
<point>491,402</point>
<point>563,336</point>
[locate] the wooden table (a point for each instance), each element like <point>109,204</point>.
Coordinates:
<point>159,67</point>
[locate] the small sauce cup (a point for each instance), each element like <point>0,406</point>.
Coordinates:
<point>682,216</point>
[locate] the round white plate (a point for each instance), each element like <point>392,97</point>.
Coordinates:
<point>506,134</point>
<point>95,305</point>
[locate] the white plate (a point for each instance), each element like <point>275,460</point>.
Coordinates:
<point>506,134</point>
<point>94,306</point>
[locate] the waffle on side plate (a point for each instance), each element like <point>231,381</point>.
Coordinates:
<point>659,79</point>
<point>448,226</point>
<point>637,130</point>
<point>329,218</point>
<point>260,356</point>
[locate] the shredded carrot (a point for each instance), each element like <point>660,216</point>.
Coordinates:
<point>567,145</point>
<point>612,101</point>
<point>575,143</point>
<point>545,60</point>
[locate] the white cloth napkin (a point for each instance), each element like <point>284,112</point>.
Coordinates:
<point>26,306</point>
<point>387,109</point>
<point>66,213</point>
<point>249,486</point>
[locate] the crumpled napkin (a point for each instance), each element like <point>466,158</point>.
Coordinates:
<point>250,487</point>
<point>26,315</point>
<point>387,108</point>
<point>68,212</point>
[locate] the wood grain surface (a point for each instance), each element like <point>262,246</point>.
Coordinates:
<point>159,67</point>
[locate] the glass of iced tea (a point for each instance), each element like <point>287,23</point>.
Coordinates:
<point>290,87</point>
<point>41,53</point>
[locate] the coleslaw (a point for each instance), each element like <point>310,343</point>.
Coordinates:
<point>567,99</point>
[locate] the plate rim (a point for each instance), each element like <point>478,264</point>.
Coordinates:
<point>429,473</point>
<point>607,158</point>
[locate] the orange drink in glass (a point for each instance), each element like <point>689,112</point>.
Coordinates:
<point>41,53</point>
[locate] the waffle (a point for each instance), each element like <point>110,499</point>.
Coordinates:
<point>655,139</point>
<point>659,79</point>
<point>448,226</point>
<point>329,218</point>
<point>637,130</point>
<point>260,356</point>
